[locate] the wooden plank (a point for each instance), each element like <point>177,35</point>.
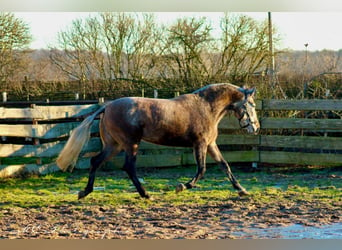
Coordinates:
<point>16,130</point>
<point>51,149</point>
<point>223,139</point>
<point>47,112</point>
<point>290,123</point>
<point>301,123</point>
<point>229,122</point>
<point>171,160</point>
<point>94,145</point>
<point>150,146</point>
<point>239,156</point>
<point>329,143</point>
<point>243,139</point>
<point>312,104</point>
<point>301,158</point>
<point>42,131</point>
<point>230,156</point>
<point>309,142</point>
<point>60,112</point>
<point>14,170</point>
<point>187,159</point>
<point>84,163</point>
<point>162,160</point>
<point>258,104</point>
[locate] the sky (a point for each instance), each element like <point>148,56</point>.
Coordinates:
<point>321,30</point>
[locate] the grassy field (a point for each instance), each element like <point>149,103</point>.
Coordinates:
<point>113,188</point>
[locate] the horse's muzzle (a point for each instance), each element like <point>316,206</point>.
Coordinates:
<point>253,129</point>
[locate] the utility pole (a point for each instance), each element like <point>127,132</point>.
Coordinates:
<point>305,69</point>
<point>273,81</point>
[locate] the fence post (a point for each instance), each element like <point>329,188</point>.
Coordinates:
<point>27,85</point>
<point>4,96</point>
<point>101,100</point>
<point>36,141</point>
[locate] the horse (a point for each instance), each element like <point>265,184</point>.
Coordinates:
<point>189,120</point>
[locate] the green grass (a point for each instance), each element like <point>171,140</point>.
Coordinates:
<point>61,188</point>
<point>25,160</point>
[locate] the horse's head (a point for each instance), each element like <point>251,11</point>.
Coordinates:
<point>245,111</point>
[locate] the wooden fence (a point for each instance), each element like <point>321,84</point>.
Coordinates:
<point>31,138</point>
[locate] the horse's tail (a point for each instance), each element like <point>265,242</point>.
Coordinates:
<point>79,136</point>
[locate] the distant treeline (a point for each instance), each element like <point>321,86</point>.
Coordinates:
<point>299,74</point>
<point>119,54</point>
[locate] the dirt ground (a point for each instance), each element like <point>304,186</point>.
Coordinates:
<point>216,221</point>
<point>232,217</point>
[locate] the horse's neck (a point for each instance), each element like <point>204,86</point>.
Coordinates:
<point>221,110</point>
<point>216,105</point>
<point>221,102</point>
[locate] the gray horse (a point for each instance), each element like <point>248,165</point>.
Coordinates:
<point>190,120</point>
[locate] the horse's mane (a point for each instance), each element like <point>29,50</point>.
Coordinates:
<point>214,86</point>
<point>212,91</point>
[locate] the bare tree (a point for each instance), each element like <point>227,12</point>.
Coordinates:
<point>106,47</point>
<point>71,55</point>
<point>185,47</point>
<point>195,57</point>
<point>117,30</point>
<point>142,49</point>
<point>14,41</point>
<point>242,49</point>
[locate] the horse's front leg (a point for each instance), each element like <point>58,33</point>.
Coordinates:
<point>130,168</point>
<point>200,152</point>
<point>215,153</point>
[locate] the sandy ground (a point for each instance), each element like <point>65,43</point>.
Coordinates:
<point>211,221</point>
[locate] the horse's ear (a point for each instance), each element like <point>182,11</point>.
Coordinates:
<point>242,90</point>
<point>247,91</point>
<point>250,91</point>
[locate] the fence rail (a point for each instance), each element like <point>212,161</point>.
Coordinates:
<point>31,138</point>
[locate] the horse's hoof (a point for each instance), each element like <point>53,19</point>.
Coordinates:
<point>147,197</point>
<point>243,193</point>
<point>150,198</point>
<point>180,187</point>
<point>81,194</point>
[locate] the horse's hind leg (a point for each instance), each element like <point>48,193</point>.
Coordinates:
<point>96,162</point>
<point>215,153</point>
<point>110,148</point>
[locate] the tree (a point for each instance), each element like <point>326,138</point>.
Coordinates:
<point>185,47</point>
<point>14,40</point>
<point>242,49</point>
<point>113,46</point>
<point>195,57</point>
<point>77,47</point>
<point>106,47</point>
